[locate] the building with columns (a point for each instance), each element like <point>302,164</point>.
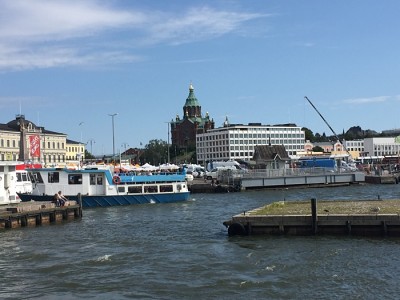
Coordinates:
<point>183,131</point>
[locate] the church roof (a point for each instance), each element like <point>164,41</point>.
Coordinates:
<point>191,100</point>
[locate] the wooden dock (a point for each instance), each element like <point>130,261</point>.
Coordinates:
<point>366,218</point>
<point>31,214</point>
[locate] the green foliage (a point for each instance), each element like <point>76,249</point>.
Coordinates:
<point>88,155</point>
<point>317,149</point>
<point>309,135</point>
<point>155,152</point>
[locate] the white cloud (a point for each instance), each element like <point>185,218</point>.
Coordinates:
<point>367,100</point>
<point>45,20</point>
<point>46,33</point>
<point>198,24</point>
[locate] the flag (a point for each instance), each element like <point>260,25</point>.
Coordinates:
<point>34,143</point>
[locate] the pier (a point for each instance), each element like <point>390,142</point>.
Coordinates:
<point>365,218</point>
<point>300,178</point>
<point>31,214</point>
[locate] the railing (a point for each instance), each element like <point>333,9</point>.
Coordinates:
<point>229,176</point>
<point>268,173</point>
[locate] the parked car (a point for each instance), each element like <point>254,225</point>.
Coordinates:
<point>198,173</point>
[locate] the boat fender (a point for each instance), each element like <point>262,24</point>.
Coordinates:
<point>116,180</point>
<point>237,229</point>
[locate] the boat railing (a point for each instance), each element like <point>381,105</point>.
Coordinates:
<point>268,173</point>
<point>126,178</point>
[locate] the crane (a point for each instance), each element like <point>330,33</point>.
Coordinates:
<point>326,122</point>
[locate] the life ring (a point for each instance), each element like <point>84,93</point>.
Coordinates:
<point>116,180</point>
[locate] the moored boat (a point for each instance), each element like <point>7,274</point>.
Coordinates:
<point>100,186</point>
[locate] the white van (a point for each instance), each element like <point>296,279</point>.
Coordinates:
<point>233,164</point>
<point>213,174</point>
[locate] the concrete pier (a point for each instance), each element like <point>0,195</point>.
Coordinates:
<point>31,214</point>
<point>365,218</point>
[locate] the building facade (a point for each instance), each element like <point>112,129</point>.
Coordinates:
<point>183,131</point>
<point>382,146</point>
<point>22,140</point>
<point>238,141</point>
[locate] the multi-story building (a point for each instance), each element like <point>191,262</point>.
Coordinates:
<point>237,141</point>
<point>75,151</point>
<point>22,140</point>
<point>354,145</point>
<point>382,146</point>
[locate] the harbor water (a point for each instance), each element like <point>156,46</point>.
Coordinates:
<point>182,251</point>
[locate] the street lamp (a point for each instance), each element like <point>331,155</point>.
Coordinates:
<point>168,127</point>
<point>112,118</point>
<point>91,142</point>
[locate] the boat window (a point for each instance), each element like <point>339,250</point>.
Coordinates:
<point>99,180</point>
<point>75,179</point>
<point>150,189</point>
<point>25,176</point>
<point>121,189</point>
<point>92,179</point>
<point>19,177</point>
<point>166,188</point>
<point>53,177</point>
<point>135,189</point>
<point>36,177</point>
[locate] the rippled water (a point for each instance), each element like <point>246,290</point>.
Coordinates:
<point>182,251</point>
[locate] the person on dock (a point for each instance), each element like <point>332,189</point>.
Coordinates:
<point>56,200</point>
<point>62,199</point>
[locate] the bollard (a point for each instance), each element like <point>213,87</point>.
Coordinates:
<point>80,204</point>
<point>314,215</point>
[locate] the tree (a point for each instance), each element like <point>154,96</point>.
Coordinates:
<point>308,134</point>
<point>88,155</point>
<point>317,149</point>
<point>155,152</point>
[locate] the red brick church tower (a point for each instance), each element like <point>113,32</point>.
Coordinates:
<point>183,131</point>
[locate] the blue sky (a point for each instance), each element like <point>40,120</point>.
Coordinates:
<point>66,62</point>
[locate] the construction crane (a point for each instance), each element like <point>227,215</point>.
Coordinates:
<point>326,122</point>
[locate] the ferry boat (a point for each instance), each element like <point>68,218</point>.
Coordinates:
<point>8,181</point>
<point>101,186</point>
<point>24,183</point>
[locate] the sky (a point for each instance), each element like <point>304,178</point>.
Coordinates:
<point>67,65</point>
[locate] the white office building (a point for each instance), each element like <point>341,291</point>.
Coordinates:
<point>354,145</point>
<point>382,146</point>
<point>238,141</point>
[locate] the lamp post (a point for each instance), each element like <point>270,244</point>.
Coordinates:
<point>168,140</point>
<point>91,142</point>
<point>113,138</point>
<point>80,154</point>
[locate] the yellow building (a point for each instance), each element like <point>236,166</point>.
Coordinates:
<point>22,140</point>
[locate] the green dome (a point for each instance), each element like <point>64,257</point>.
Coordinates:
<point>191,100</point>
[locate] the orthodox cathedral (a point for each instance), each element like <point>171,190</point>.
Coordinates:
<point>183,131</point>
